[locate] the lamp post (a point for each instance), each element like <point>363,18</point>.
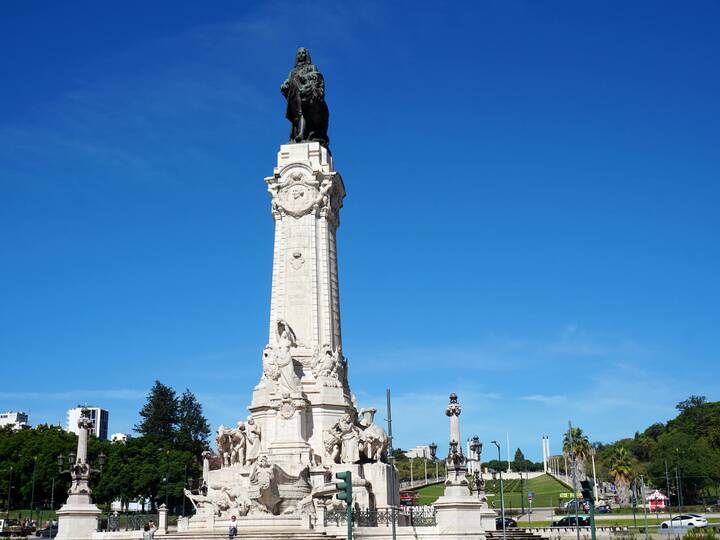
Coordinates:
<point>32,491</point>
<point>9,492</point>
<point>433,456</point>
<point>475,449</point>
<point>502,494</point>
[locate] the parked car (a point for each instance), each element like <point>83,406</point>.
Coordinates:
<point>509,523</point>
<point>10,527</point>
<point>407,498</point>
<point>685,520</point>
<point>47,532</point>
<point>569,521</point>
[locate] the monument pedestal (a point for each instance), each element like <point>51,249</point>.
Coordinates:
<point>463,516</point>
<point>77,519</point>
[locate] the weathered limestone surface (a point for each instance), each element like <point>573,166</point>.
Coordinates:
<point>279,464</point>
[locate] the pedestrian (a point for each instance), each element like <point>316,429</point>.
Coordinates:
<point>147,533</point>
<point>232,531</point>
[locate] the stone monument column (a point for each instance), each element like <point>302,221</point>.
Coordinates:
<point>303,390</point>
<point>459,513</point>
<point>77,519</point>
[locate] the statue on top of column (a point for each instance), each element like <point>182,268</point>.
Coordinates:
<point>306,109</point>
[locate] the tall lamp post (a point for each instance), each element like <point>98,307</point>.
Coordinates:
<point>433,456</point>
<point>9,491</point>
<point>502,494</point>
<point>475,449</point>
<point>32,491</point>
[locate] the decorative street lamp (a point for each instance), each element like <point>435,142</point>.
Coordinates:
<point>433,456</point>
<point>502,494</point>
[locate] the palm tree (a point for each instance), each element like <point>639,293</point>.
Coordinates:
<point>580,446</point>
<point>621,472</point>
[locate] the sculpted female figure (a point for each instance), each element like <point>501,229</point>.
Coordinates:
<point>288,381</point>
<point>254,440</point>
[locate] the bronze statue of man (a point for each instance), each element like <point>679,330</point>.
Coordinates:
<point>307,111</point>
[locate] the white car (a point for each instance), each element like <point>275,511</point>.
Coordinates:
<point>685,520</point>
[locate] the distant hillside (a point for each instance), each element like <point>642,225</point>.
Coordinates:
<point>687,447</point>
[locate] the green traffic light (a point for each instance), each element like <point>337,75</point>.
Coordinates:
<point>344,487</point>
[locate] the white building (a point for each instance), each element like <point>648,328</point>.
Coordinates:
<point>421,451</point>
<point>118,437</point>
<point>98,416</point>
<point>16,419</point>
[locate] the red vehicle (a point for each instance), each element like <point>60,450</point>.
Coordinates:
<point>407,498</point>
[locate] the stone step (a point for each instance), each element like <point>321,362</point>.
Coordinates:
<point>249,535</point>
<point>514,534</point>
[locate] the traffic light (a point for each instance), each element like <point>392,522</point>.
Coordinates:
<point>587,491</point>
<point>344,487</point>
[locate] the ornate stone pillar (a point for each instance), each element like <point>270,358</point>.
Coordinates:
<point>77,518</point>
<point>459,513</point>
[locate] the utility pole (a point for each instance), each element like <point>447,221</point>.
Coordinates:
<point>9,493</point>
<point>677,486</point>
<point>32,492</point>
<point>642,488</point>
<point>667,486</point>
<point>52,496</point>
<point>679,482</point>
<point>393,502</point>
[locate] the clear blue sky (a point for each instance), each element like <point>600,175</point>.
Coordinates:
<point>531,221</point>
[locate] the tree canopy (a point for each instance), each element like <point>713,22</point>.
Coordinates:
<point>156,465</point>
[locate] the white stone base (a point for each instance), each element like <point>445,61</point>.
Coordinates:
<point>463,517</point>
<point>77,521</point>
<point>254,523</point>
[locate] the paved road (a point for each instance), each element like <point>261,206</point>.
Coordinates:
<point>546,514</point>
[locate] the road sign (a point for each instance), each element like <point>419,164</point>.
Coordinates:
<point>530,496</point>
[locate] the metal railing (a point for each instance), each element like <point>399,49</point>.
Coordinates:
<point>419,482</point>
<point>416,516</point>
<point>130,521</point>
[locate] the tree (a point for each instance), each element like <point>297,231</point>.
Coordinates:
<point>193,428</point>
<point>621,472</point>
<point>160,415</point>
<point>691,457</point>
<point>580,446</point>
<point>691,403</point>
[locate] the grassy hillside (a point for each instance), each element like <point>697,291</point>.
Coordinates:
<point>546,492</point>
<point>545,488</point>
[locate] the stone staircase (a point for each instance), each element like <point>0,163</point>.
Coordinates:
<point>248,534</point>
<point>513,534</point>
